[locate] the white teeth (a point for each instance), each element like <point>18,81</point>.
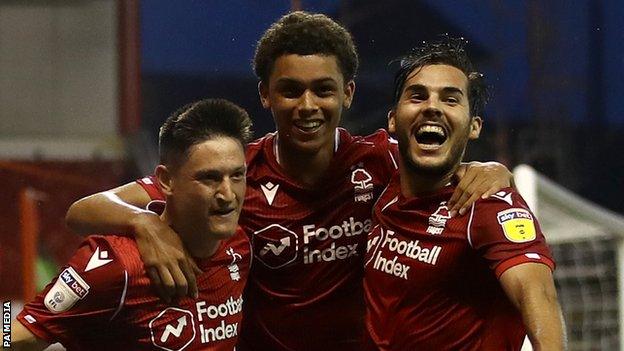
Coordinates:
<point>307,124</point>
<point>427,128</point>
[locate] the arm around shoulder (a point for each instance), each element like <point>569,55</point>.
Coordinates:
<point>117,210</point>
<point>531,289</point>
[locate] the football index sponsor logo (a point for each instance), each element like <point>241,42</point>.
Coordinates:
<point>68,289</point>
<point>6,324</point>
<point>173,329</point>
<point>275,246</point>
<point>437,221</point>
<point>207,313</point>
<point>312,235</point>
<point>411,249</point>
<point>362,185</point>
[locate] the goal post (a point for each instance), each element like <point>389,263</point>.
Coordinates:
<point>587,242</point>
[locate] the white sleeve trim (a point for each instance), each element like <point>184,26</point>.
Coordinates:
<point>469,228</point>
<point>123,296</point>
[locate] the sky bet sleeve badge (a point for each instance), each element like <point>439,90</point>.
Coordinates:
<point>67,290</point>
<point>517,224</point>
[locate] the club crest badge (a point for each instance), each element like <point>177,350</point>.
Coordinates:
<point>233,267</point>
<point>437,220</point>
<point>362,185</point>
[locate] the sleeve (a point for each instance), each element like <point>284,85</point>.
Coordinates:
<point>89,291</point>
<point>389,150</point>
<point>505,232</point>
<point>150,185</point>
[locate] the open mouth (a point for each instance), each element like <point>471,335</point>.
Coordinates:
<point>308,125</point>
<point>430,136</point>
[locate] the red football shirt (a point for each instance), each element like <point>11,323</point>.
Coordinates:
<point>305,289</point>
<point>102,300</point>
<point>431,281</point>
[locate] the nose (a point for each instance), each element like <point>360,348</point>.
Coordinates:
<point>225,194</point>
<point>433,107</point>
<point>307,102</point>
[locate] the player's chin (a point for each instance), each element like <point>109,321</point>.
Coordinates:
<point>223,229</point>
<point>430,164</point>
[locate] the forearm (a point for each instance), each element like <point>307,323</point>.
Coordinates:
<point>543,320</point>
<point>23,339</point>
<point>531,289</point>
<point>115,211</point>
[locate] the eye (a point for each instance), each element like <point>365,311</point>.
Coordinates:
<point>417,96</point>
<point>238,176</point>
<point>325,91</point>
<point>289,91</point>
<point>452,100</point>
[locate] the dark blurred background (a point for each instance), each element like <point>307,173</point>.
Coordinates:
<point>556,69</point>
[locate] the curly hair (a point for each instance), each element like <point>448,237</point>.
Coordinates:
<point>448,51</point>
<point>199,121</point>
<point>304,33</point>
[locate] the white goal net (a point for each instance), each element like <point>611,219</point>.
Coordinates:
<point>588,246</point>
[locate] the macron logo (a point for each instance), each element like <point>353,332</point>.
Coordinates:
<point>276,250</point>
<point>501,195</point>
<point>177,331</point>
<point>269,190</point>
<point>98,259</point>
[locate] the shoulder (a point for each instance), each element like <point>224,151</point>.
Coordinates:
<point>501,207</point>
<point>255,148</point>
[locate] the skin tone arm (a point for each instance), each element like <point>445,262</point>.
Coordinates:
<point>170,268</point>
<point>23,339</point>
<point>120,210</point>
<point>477,180</point>
<point>531,289</point>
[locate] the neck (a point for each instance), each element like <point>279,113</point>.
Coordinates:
<point>305,168</point>
<point>195,241</point>
<point>419,183</point>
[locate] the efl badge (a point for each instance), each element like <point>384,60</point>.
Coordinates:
<point>362,185</point>
<point>517,224</point>
<point>67,290</point>
<point>437,220</point>
<point>233,267</point>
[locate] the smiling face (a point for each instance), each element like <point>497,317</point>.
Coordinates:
<point>432,119</point>
<point>306,95</point>
<point>205,192</point>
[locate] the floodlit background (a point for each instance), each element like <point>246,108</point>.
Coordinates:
<point>84,86</point>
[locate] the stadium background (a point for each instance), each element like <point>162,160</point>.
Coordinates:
<point>84,86</point>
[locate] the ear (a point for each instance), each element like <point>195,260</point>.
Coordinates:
<point>475,127</point>
<point>392,121</point>
<point>263,91</point>
<point>164,178</point>
<point>349,90</point>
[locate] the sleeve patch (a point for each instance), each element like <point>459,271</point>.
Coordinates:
<point>517,224</point>
<point>67,290</point>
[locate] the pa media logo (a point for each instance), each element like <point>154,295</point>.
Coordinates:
<point>173,329</point>
<point>275,246</point>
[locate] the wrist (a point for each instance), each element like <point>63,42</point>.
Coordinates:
<point>142,220</point>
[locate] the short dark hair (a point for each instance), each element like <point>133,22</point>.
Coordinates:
<point>304,33</point>
<point>447,51</point>
<point>200,121</point>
